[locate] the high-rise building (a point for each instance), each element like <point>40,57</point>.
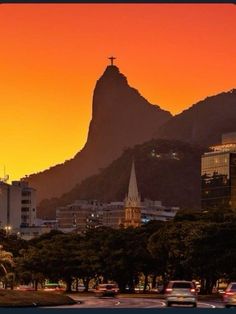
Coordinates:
<point>17,205</point>
<point>218,175</point>
<point>132,203</point>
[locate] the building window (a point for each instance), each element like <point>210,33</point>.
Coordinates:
<point>26,193</point>
<point>25,209</point>
<point>26,202</point>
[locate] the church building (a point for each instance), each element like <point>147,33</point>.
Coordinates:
<point>132,203</point>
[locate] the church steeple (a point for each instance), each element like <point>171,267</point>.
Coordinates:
<point>132,202</point>
<point>133,199</point>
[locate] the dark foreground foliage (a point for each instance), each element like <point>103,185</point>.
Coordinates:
<point>195,245</point>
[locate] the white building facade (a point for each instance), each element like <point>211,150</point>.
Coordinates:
<point>17,205</point>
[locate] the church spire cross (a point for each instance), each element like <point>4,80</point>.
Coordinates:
<point>112,59</point>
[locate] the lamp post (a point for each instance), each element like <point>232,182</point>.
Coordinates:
<point>8,229</point>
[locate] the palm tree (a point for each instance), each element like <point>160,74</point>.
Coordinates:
<point>6,258</point>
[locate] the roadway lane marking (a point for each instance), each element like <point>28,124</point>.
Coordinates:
<point>207,304</point>
<point>117,303</point>
<point>156,305</point>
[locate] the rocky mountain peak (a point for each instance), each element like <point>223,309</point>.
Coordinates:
<point>204,122</point>
<point>112,74</point>
<point>121,118</point>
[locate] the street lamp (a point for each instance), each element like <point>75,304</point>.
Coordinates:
<point>8,229</point>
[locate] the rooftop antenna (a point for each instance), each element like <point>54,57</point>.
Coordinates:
<point>5,176</point>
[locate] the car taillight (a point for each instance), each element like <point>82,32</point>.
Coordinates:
<point>229,293</point>
<point>168,290</point>
<point>193,290</point>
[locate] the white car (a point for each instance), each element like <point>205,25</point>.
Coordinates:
<point>181,292</point>
<point>107,289</point>
<point>229,295</point>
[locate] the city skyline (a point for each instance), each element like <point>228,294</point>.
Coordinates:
<point>52,55</point>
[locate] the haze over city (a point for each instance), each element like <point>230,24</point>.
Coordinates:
<point>52,55</point>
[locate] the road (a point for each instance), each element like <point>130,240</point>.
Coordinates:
<point>119,302</point>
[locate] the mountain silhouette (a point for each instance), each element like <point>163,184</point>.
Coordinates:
<point>121,118</point>
<point>204,122</point>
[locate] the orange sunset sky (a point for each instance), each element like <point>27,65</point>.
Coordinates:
<point>52,54</point>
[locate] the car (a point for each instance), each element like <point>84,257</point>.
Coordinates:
<point>229,296</point>
<point>181,292</point>
<point>80,288</point>
<point>25,288</point>
<point>107,289</point>
<point>53,287</point>
<point>198,285</point>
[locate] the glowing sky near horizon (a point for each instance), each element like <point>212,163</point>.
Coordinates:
<point>52,54</point>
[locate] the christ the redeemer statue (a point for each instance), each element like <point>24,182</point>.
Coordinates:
<point>112,59</point>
